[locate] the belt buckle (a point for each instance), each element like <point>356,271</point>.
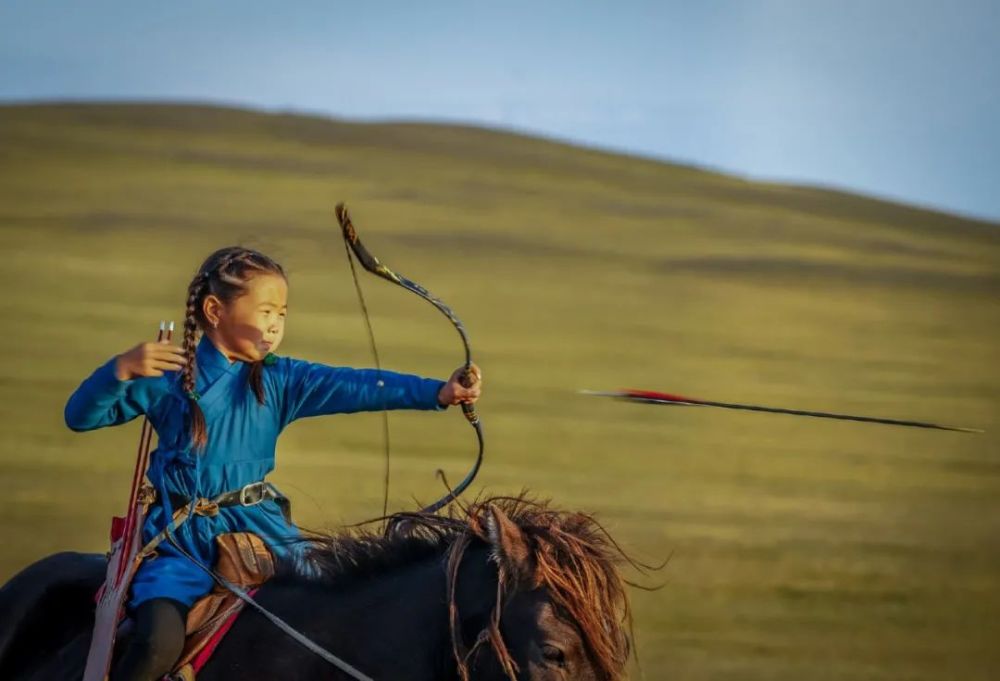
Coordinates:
<point>246,490</point>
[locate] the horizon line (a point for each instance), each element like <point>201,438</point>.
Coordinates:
<point>623,152</point>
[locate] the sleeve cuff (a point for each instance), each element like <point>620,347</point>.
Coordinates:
<point>433,387</point>
<point>104,380</point>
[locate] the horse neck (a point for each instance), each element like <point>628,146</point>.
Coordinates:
<point>400,618</point>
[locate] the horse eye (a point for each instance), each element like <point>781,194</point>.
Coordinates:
<point>554,655</point>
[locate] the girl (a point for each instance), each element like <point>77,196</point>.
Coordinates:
<point>218,405</point>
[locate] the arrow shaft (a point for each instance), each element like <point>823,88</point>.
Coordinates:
<point>650,397</point>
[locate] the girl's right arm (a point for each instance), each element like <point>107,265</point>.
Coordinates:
<point>111,395</point>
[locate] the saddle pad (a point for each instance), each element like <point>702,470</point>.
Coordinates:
<point>196,656</point>
<point>244,560</point>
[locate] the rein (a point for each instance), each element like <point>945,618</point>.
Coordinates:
<point>491,632</point>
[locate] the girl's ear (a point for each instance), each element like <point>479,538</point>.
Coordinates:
<point>212,308</point>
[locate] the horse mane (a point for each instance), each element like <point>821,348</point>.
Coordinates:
<point>356,553</point>
<point>572,557</point>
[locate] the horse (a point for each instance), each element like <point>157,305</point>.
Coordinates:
<point>505,588</point>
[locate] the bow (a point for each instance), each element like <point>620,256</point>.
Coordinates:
<point>372,264</point>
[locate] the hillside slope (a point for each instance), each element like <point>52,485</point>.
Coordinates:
<point>800,548</point>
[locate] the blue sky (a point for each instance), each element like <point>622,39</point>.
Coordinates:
<point>885,97</point>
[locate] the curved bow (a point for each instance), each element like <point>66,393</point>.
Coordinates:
<point>372,264</point>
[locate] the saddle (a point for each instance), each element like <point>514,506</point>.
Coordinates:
<point>244,560</point>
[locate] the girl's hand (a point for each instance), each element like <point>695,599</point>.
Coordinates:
<point>453,392</point>
<point>149,359</point>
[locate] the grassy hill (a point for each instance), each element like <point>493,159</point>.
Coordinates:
<point>798,548</point>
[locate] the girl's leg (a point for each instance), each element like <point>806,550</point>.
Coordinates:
<point>156,643</point>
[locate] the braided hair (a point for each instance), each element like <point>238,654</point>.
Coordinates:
<point>224,274</point>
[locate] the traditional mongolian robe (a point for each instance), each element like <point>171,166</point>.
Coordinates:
<point>242,435</point>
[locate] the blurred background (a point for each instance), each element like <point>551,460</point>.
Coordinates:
<point>783,203</point>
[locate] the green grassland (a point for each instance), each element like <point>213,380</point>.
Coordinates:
<point>799,548</point>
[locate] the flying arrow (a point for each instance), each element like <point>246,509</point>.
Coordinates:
<point>651,397</point>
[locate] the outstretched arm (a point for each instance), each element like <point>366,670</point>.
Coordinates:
<point>313,389</point>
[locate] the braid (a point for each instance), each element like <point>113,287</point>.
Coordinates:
<point>199,432</point>
<point>228,262</point>
<point>256,380</point>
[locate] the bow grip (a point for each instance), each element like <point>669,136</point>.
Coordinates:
<point>468,410</point>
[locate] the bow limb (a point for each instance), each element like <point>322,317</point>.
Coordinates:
<point>373,265</point>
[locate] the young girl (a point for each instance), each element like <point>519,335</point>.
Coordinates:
<point>218,405</point>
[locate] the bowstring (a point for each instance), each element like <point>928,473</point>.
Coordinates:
<point>378,368</point>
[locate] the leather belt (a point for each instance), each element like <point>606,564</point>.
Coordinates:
<point>248,495</point>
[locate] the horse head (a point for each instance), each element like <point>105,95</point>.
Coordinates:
<point>550,605</point>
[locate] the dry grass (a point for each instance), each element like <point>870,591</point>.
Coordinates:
<point>800,548</point>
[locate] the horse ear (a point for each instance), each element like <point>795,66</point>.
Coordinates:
<point>510,544</point>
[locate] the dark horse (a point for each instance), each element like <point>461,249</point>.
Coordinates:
<point>503,589</point>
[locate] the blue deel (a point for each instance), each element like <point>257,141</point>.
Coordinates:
<point>242,435</point>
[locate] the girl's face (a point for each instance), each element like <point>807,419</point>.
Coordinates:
<point>253,324</point>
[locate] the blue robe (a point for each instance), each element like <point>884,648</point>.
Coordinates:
<point>241,439</point>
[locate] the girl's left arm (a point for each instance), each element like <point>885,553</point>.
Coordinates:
<point>313,389</point>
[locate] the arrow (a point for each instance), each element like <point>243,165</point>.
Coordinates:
<point>650,397</point>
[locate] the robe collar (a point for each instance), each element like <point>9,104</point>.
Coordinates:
<point>212,363</point>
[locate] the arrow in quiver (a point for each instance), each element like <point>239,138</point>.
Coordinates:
<point>124,557</point>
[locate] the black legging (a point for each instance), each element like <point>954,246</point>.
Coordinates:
<point>156,643</point>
